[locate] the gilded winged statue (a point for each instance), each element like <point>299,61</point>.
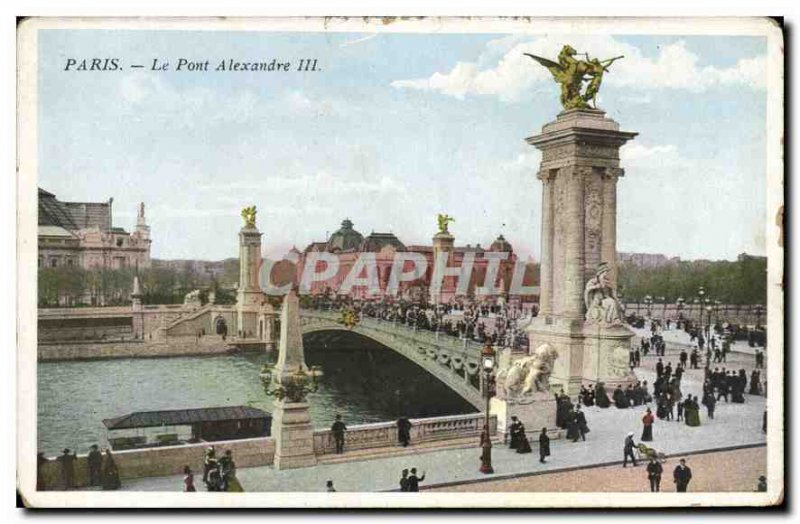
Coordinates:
<point>571,73</point>
<point>443,221</point>
<point>249,216</point>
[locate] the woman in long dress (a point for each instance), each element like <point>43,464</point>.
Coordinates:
<point>228,471</point>
<point>110,472</point>
<point>523,446</point>
<point>691,410</point>
<point>647,420</point>
<point>601,397</point>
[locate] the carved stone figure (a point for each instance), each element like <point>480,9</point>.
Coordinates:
<point>570,73</point>
<point>528,375</point>
<point>249,216</point>
<point>443,221</point>
<point>602,306</point>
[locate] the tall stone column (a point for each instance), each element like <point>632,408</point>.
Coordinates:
<point>443,242</point>
<point>546,263</point>
<point>574,218</point>
<point>580,165</point>
<point>249,295</point>
<point>136,310</point>
<point>608,247</point>
<point>291,422</point>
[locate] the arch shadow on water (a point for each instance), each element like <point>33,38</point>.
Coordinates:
<point>366,373</point>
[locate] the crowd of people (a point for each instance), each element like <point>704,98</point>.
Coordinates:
<point>101,470</point>
<point>499,323</point>
<point>219,474</point>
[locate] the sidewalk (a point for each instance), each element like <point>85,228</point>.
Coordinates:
<point>680,337</point>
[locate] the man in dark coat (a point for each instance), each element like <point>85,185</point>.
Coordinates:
<point>95,461</point>
<point>710,403</point>
<point>338,428</point>
<point>67,461</point>
<point>619,398</point>
<point>681,476</point>
<point>403,431</point>
<point>628,450</point>
<point>580,420</point>
<point>544,445</point>
<point>659,368</point>
<point>654,471</point>
<point>514,431</point>
<point>414,480</point>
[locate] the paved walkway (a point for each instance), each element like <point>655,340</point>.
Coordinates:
<point>679,336</point>
<point>733,425</point>
<point>732,471</point>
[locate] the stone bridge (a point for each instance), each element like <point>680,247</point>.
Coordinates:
<point>454,361</point>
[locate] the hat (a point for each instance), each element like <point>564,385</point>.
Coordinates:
<point>65,450</point>
<point>762,477</point>
<point>630,433</point>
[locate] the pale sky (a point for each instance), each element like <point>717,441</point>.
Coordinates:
<point>394,129</point>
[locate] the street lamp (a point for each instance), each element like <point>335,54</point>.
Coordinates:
<point>759,311</point>
<point>663,301</point>
<point>679,304</point>
<point>701,291</point>
<point>487,363</point>
<point>648,300</point>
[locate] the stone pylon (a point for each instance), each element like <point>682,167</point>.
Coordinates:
<point>579,173</point>
<point>443,243</point>
<point>291,423</point>
<point>249,295</point>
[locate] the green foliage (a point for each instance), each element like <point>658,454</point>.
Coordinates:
<point>740,282</point>
<point>74,286</point>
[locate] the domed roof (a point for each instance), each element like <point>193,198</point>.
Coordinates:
<point>501,245</point>
<point>345,239</point>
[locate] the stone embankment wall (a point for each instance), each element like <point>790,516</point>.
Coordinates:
<point>178,346</point>
<point>170,460</point>
<point>167,460</point>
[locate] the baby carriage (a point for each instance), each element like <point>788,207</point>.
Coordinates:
<point>646,453</point>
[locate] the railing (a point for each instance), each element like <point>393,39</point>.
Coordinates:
<point>384,434</point>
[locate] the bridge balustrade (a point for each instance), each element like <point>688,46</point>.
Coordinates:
<point>384,434</point>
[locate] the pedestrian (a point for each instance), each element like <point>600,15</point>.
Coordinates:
<point>762,483</point>
<point>514,430</point>
<point>583,427</point>
<point>544,445</point>
<point>404,480</point>
<point>654,471</point>
<point>711,403</point>
<point>95,461</point>
<point>414,480</point>
<point>110,473</point>
<point>41,460</point>
<point>338,428</point>
<point>680,410</point>
<point>67,460</point>
<point>681,476</point>
<point>209,460</point>
<point>188,480</point>
<point>628,450</point>
<point>227,471</point>
<point>523,446</point>
<point>403,431</point>
<point>329,487</point>
<point>647,431</point>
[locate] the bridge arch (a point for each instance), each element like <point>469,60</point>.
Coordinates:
<point>446,360</point>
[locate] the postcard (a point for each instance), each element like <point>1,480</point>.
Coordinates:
<point>391,262</point>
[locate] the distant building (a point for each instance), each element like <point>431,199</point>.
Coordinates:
<point>647,260</point>
<point>348,244</point>
<point>82,234</point>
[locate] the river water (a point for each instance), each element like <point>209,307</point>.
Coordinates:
<point>362,381</point>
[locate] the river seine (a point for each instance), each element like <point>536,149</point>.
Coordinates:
<point>362,381</point>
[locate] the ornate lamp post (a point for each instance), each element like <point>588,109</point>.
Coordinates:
<point>759,311</point>
<point>296,387</point>
<point>487,363</point>
<point>709,309</point>
<point>648,300</point>
<point>701,292</point>
<point>679,304</point>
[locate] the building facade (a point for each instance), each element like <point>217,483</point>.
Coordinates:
<point>82,234</point>
<point>348,245</point>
